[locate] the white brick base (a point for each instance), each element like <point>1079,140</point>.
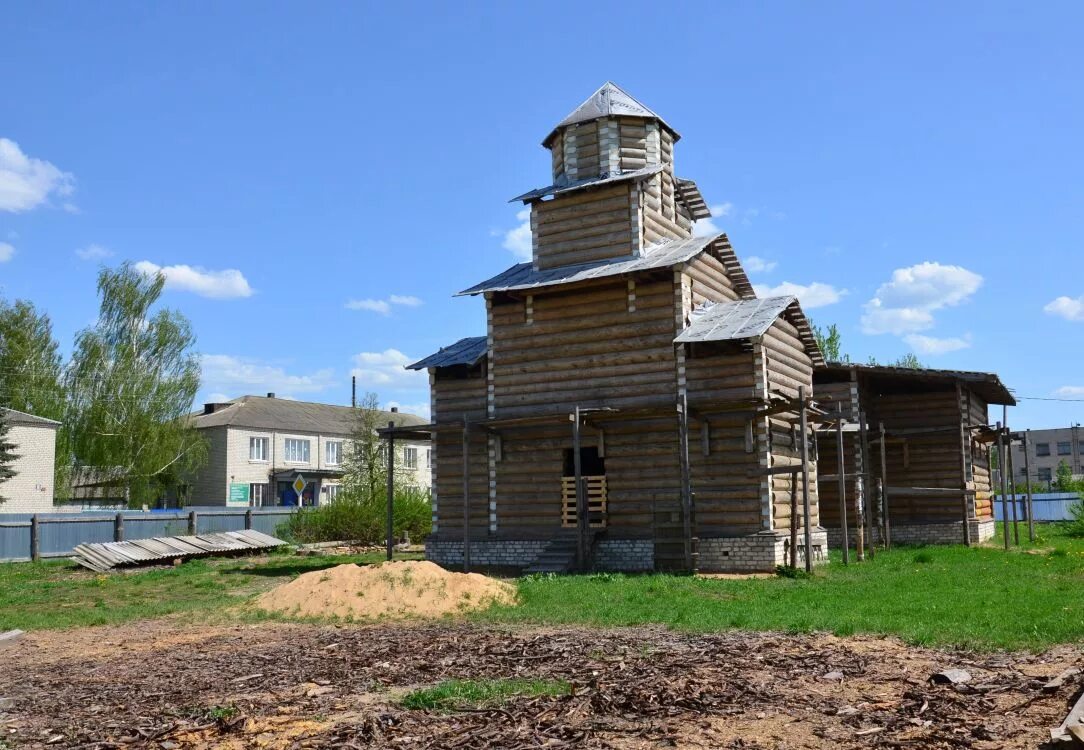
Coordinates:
<point>924,533</point>
<point>757,553</point>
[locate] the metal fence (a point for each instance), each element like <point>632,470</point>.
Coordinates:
<point>1049,506</point>
<point>26,536</point>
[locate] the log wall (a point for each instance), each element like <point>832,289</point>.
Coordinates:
<point>453,398</point>
<point>591,347</point>
<point>976,410</point>
<point>585,226</point>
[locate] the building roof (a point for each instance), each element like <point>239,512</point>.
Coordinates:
<point>269,413</point>
<point>602,180</point>
<point>468,351</point>
<point>14,416</point>
<point>609,101</point>
<point>746,319</point>
<point>523,276</point>
<point>986,384</point>
<point>689,194</point>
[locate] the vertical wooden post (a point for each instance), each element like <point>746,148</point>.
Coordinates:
<point>686,484</point>
<point>248,519</point>
<point>1004,488</point>
<point>35,538</point>
<point>842,469</point>
<point>806,510</point>
<point>582,522</point>
<point>885,521</point>
<point>867,484</point>
<point>193,523</point>
<point>965,448</point>
<point>466,495</point>
<point>793,518</point>
<point>1027,471</point>
<point>1012,486</point>
<point>389,501</point>
<point>118,528</point>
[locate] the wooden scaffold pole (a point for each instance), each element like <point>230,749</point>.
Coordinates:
<point>390,520</point>
<point>806,511</point>
<point>886,524</point>
<point>582,521</point>
<point>1027,471</point>
<point>867,493</point>
<point>1004,488</point>
<point>842,468</point>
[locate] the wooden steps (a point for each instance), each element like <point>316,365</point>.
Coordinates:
<point>558,556</point>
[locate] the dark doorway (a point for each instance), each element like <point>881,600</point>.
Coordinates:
<point>591,464</point>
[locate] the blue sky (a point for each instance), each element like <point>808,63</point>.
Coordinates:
<point>319,178</point>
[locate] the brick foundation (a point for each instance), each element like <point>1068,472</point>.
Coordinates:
<point>749,554</point>
<point>925,533</point>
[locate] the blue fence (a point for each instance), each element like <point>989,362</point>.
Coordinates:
<point>57,534</point>
<point>1049,506</point>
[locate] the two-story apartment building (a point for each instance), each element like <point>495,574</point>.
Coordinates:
<point>260,445</point>
<point>1048,448</point>
<point>31,489</point>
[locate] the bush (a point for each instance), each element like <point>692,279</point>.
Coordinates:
<point>1076,526</point>
<point>351,518</point>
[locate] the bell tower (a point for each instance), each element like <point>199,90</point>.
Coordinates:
<point>614,193</point>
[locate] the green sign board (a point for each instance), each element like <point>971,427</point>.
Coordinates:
<point>238,494</point>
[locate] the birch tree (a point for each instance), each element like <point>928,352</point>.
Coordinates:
<point>132,380</point>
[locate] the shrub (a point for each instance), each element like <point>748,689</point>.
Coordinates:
<point>1076,526</point>
<point>352,518</point>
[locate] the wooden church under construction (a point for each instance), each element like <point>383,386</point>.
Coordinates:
<point>633,405</point>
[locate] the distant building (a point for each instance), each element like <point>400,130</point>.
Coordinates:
<point>31,489</point>
<point>1047,449</point>
<point>259,445</point>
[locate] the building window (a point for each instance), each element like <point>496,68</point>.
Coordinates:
<point>333,453</point>
<point>1065,448</point>
<point>1045,474</point>
<point>1042,449</point>
<point>333,491</point>
<point>257,449</point>
<point>257,494</point>
<point>297,451</point>
<point>410,458</point>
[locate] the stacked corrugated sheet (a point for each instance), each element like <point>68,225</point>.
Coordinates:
<point>108,555</point>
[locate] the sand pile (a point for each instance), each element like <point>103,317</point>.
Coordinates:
<point>391,589</point>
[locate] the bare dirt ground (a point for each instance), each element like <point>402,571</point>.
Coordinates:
<point>277,686</point>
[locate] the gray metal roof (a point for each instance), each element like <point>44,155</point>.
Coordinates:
<point>285,414</point>
<point>662,255</point>
<point>727,321</point>
<point>14,416</point>
<point>986,384</point>
<point>468,351</point>
<point>609,101</point>
<point>590,182</point>
<point>690,195</point>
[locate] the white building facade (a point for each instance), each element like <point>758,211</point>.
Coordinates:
<point>31,489</point>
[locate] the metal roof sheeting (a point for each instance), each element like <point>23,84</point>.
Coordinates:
<point>727,321</point>
<point>468,351</point>
<point>986,384</point>
<point>609,101</point>
<point>590,182</point>
<point>14,416</point>
<point>263,413</point>
<point>663,255</point>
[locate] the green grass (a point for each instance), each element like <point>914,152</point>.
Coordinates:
<point>979,597</point>
<point>50,595</point>
<point>452,694</point>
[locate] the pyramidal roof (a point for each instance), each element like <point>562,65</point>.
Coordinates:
<point>609,101</point>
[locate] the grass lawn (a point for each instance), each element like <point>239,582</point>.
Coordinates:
<point>978,597</point>
<point>457,694</point>
<point>35,596</point>
<point>982,597</point>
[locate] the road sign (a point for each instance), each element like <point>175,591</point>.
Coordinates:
<point>299,484</point>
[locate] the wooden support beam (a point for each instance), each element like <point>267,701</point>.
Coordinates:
<point>1027,471</point>
<point>867,488</point>
<point>582,522</point>
<point>885,522</point>
<point>806,510</point>
<point>686,486</point>
<point>390,520</point>
<point>842,490</point>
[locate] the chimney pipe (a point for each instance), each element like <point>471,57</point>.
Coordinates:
<point>395,410</point>
<point>270,394</point>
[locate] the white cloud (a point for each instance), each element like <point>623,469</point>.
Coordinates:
<point>906,303</point>
<point>518,240</point>
<point>933,345</point>
<point>1066,307</point>
<point>372,305</point>
<point>383,306</point>
<point>227,284</point>
<point>407,300</point>
<point>708,227</point>
<point>420,409</point>
<point>94,252</point>
<point>811,295</point>
<point>756,264</point>
<point>386,370</point>
<point>1070,391</point>
<point>26,182</point>
<point>7,252</point>
<point>225,373</point>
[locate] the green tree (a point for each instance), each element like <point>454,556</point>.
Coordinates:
<point>909,360</point>
<point>1063,480</point>
<point>32,373</point>
<point>132,380</point>
<point>830,343</point>
<point>365,461</point>
<point>7,451</point>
